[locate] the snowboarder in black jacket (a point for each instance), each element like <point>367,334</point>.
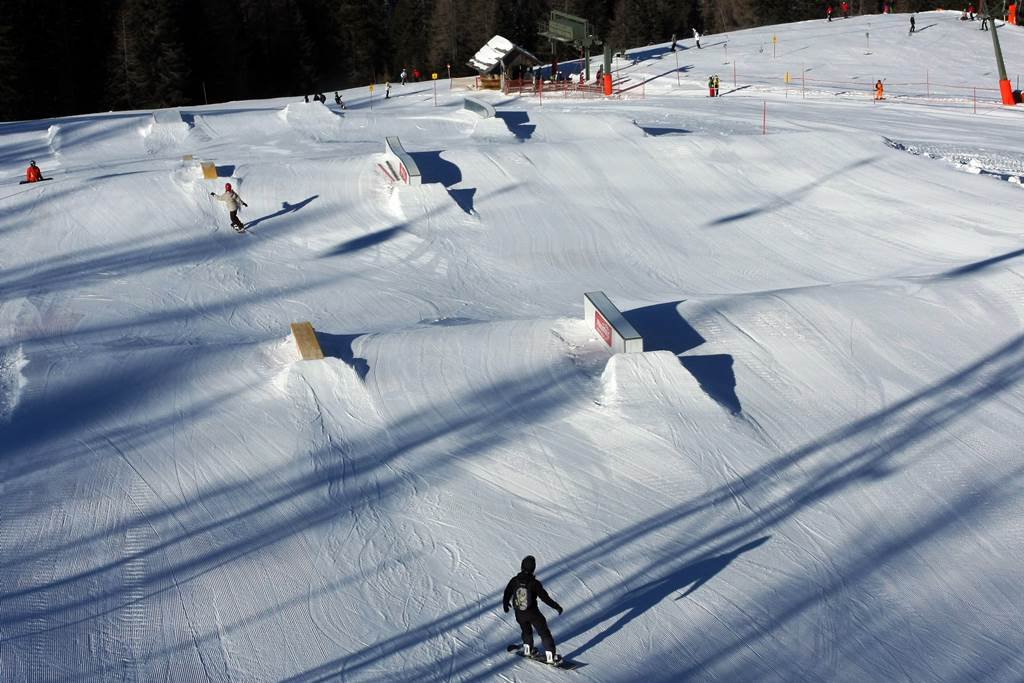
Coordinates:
<point>522,592</point>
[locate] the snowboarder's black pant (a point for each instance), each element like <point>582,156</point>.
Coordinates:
<point>529,620</point>
<point>235,223</point>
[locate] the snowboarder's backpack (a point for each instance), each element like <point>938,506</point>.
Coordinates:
<point>521,595</point>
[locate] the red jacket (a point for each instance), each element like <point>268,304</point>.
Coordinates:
<point>33,174</point>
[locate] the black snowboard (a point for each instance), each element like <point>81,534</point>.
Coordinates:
<point>26,182</point>
<point>566,664</point>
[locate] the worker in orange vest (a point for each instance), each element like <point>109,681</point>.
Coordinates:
<point>879,90</point>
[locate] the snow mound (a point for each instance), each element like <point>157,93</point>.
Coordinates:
<point>650,379</point>
<point>424,205</point>
<point>493,129</point>
<point>165,131</point>
<point>1002,164</point>
<point>11,380</point>
<point>314,120</point>
<point>53,139</point>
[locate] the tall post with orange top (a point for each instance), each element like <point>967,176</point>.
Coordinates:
<point>1005,87</point>
<point>607,84</point>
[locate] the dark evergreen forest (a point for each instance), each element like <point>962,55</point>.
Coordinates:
<point>61,57</point>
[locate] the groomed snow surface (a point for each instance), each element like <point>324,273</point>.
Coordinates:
<point>814,472</point>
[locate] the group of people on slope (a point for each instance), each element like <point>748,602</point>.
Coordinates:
<point>319,97</point>
<point>970,14</point>
<point>713,89</point>
<point>844,8</point>
<point>404,76</point>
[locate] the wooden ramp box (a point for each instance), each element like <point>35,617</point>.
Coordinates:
<point>305,339</point>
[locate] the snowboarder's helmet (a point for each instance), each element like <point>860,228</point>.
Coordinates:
<point>227,187</point>
<point>32,162</point>
<point>529,563</point>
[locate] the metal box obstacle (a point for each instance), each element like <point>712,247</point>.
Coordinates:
<point>398,164</point>
<point>614,329</point>
<point>484,109</point>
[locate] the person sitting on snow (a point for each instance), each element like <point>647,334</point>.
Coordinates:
<point>32,173</point>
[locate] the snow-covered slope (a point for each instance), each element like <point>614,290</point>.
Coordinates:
<point>813,473</point>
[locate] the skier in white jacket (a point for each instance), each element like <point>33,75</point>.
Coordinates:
<point>696,38</point>
<point>232,200</point>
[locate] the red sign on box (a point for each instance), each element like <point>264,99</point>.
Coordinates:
<point>602,327</point>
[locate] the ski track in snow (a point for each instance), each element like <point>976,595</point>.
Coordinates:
<point>809,475</point>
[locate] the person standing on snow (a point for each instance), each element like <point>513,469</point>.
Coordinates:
<point>828,13</point>
<point>32,173</point>
<point>879,90</point>
<point>674,42</point>
<point>696,38</point>
<point>402,76</point>
<point>522,592</point>
<point>232,200</point>
<point>913,24</point>
<point>718,87</point>
<point>387,90</point>
<point>711,86</point>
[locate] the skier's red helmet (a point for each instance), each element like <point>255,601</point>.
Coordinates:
<point>227,187</point>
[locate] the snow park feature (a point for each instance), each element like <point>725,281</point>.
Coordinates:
<point>483,109</point>
<point>398,165</point>
<point>602,315</point>
<point>812,472</point>
<point>305,339</point>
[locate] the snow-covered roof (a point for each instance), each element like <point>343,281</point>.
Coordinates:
<point>492,54</point>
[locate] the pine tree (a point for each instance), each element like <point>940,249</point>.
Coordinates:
<point>148,64</point>
<point>363,33</point>
<point>409,40</point>
<point>10,90</point>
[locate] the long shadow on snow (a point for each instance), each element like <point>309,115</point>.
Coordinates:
<point>682,70</point>
<point>136,255</point>
<point>286,208</point>
<point>782,201</point>
<point>664,329</point>
<point>518,123</point>
<point>657,52</point>
<point>340,346</point>
<point>862,451</point>
<point>190,548</point>
<point>638,601</point>
<point>436,169</point>
<point>36,437</point>
<point>384,234</point>
<point>978,266</point>
<point>136,326</point>
<point>365,241</point>
<point>657,131</point>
